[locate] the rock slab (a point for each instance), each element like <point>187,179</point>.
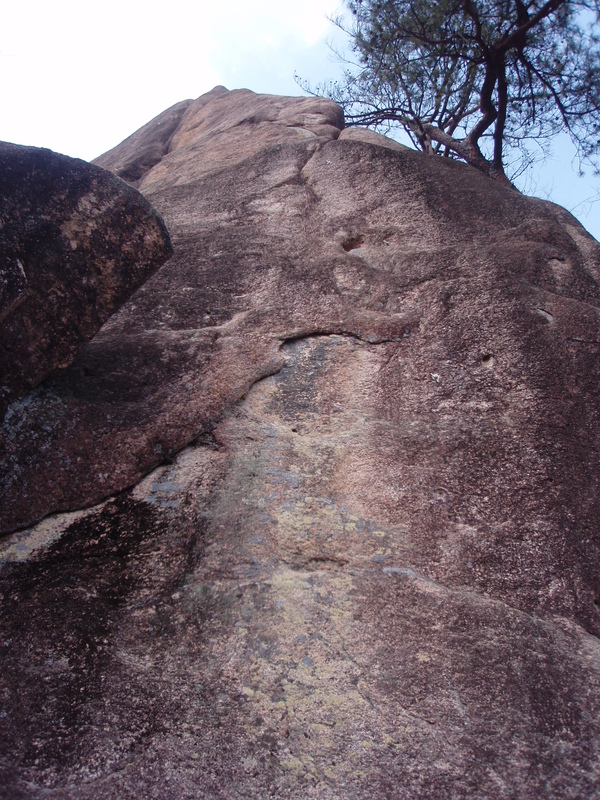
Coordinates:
<point>75,243</point>
<point>344,454</point>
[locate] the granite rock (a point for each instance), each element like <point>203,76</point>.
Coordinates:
<point>75,243</point>
<point>344,454</point>
<point>141,151</point>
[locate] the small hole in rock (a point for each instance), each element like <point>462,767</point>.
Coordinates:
<point>353,242</point>
<point>487,359</point>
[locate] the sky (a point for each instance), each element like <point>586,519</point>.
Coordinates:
<point>79,77</point>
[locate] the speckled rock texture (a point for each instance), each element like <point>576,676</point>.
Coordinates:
<point>340,461</point>
<point>75,243</point>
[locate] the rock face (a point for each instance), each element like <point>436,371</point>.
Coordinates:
<point>366,562</point>
<point>75,243</point>
<point>134,157</point>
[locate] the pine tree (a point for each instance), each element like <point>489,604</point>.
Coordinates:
<point>476,79</point>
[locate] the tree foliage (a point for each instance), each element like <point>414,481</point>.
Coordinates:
<point>476,79</point>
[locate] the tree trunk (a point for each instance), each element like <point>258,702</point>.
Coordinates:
<point>468,151</point>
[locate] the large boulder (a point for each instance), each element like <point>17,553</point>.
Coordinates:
<point>366,562</point>
<point>75,243</point>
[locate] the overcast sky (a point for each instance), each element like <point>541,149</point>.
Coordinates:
<point>79,77</point>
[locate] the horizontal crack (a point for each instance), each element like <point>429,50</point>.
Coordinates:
<point>369,338</point>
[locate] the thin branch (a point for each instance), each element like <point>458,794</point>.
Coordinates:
<point>514,39</point>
